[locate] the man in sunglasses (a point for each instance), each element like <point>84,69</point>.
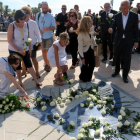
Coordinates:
<point>61,20</point>
<point>46,24</point>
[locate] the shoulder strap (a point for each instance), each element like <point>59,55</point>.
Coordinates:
<point>13,29</point>
<point>4,59</point>
<point>28,29</point>
<point>39,16</point>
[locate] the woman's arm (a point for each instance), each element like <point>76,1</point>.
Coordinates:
<point>12,78</point>
<point>56,57</point>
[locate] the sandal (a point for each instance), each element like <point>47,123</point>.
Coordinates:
<point>37,76</point>
<point>38,85</point>
<point>72,67</point>
<point>47,68</point>
<point>57,81</point>
<point>22,74</point>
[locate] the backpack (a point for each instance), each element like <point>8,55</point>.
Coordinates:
<point>14,29</point>
<point>39,16</point>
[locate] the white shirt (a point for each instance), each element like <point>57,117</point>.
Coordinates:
<point>34,32</point>
<point>124,20</point>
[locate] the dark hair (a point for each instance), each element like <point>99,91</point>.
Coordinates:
<point>19,14</point>
<point>12,58</point>
<point>75,13</point>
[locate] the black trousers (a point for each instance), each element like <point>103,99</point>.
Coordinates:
<point>87,69</point>
<point>123,51</point>
<point>73,48</point>
<point>107,40</point>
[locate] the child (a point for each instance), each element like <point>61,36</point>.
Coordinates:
<point>58,58</point>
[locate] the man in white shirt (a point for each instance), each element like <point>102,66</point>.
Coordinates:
<point>126,37</point>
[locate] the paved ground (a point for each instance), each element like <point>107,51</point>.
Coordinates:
<point>17,125</point>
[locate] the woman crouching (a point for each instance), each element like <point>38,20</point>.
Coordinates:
<point>58,58</point>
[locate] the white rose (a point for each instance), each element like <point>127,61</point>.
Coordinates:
<point>121,111</point>
<point>110,15</point>
<point>71,29</point>
<point>42,103</point>
<point>99,16</point>
<point>29,39</point>
<point>90,123</point>
<point>99,106</point>
<point>99,101</point>
<point>104,102</point>
<point>104,98</point>
<point>106,128</point>
<point>138,125</point>
<point>42,15</point>
<point>112,106</point>
<point>119,124</point>
<point>63,120</point>
<point>77,97</point>
<point>94,90</point>
<point>122,108</point>
<point>72,138</point>
<point>103,112</point>
<point>11,101</point>
<point>3,102</point>
<point>13,106</point>
<point>126,123</point>
<point>59,99</point>
<point>105,123</point>
<point>119,117</point>
<point>56,115</point>
<point>91,105</point>
<point>97,132</point>
<point>123,114</point>
<point>1,105</point>
<point>89,99</point>
<point>43,108</point>
<point>85,125</point>
<point>82,105</point>
<point>71,81</point>
<point>52,103</point>
<point>6,107</point>
<point>10,104</point>
<point>54,100</point>
<point>80,96</point>
<point>82,130</point>
<point>62,105</point>
<point>94,98</point>
<point>72,123</point>
<point>80,136</point>
<point>91,118</point>
<point>7,100</point>
<point>85,93</point>
<point>68,101</point>
<point>38,99</point>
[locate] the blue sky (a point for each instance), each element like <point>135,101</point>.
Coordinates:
<point>55,5</point>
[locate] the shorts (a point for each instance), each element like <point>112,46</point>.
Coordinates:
<point>47,43</point>
<point>33,55</point>
<point>26,59</point>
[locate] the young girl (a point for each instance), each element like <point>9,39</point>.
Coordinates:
<point>58,58</point>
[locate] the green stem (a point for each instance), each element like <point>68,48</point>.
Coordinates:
<point>49,133</point>
<point>62,135</point>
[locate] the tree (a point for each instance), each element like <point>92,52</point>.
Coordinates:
<point>39,5</point>
<point>35,10</point>
<point>13,12</point>
<point>6,10</point>
<point>29,5</point>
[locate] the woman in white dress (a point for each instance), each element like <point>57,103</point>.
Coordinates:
<point>7,72</point>
<point>58,58</point>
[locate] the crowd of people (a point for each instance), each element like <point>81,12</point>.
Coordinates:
<point>120,30</point>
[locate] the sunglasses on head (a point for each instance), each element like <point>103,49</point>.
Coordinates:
<point>71,15</point>
<point>27,13</point>
<point>44,2</point>
<point>23,18</point>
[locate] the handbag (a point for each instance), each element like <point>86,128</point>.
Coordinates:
<point>97,61</point>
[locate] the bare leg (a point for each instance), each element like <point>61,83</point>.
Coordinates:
<point>19,76</point>
<point>44,54</point>
<point>35,62</point>
<point>23,68</point>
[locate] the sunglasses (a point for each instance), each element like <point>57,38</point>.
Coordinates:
<point>17,63</point>
<point>64,8</point>
<point>23,18</point>
<point>27,13</point>
<point>44,2</point>
<point>71,15</point>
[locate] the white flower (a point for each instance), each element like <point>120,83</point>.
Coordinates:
<point>85,93</point>
<point>23,104</point>
<point>122,108</point>
<point>112,106</point>
<point>110,15</point>
<point>13,106</point>
<point>71,81</point>
<point>91,105</point>
<point>72,123</point>
<point>62,105</point>
<point>7,100</point>
<point>42,15</point>
<point>119,117</point>
<point>80,136</point>
<point>106,128</point>
<point>68,101</point>
<point>85,125</point>
<point>3,102</point>
<point>126,123</point>
<point>71,29</point>
<point>77,97</point>
<point>63,120</point>
<point>90,123</point>
<point>123,114</point>
<point>103,112</point>
<point>42,103</point>
<point>59,99</point>
<point>72,98</point>
<point>92,137</point>
<point>104,98</point>
<point>43,108</point>
<point>97,132</point>
<point>99,16</point>
<point>10,104</point>
<point>38,99</point>
<point>105,123</point>
<point>56,115</point>
<point>3,111</point>
<point>80,96</point>
<point>1,105</point>
<point>54,100</point>
<point>99,106</point>
<point>138,125</point>
<point>119,124</point>
<point>99,101</point>
<point>104,102</point>
<point>72,138</point>
<point>29,39</point>
<point>82,130</point>
<point>91,118</point>
<point>82,105</point>
<point>94,90</point>
<point>52,103</point>
<point>80,93</point>
<point>89,99</point>
<point>94,98</point>
<point>11,101</point>
<point>121,111</point>
<point>6,107</point>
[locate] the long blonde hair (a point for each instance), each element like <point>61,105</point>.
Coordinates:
<point>85,25</point>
